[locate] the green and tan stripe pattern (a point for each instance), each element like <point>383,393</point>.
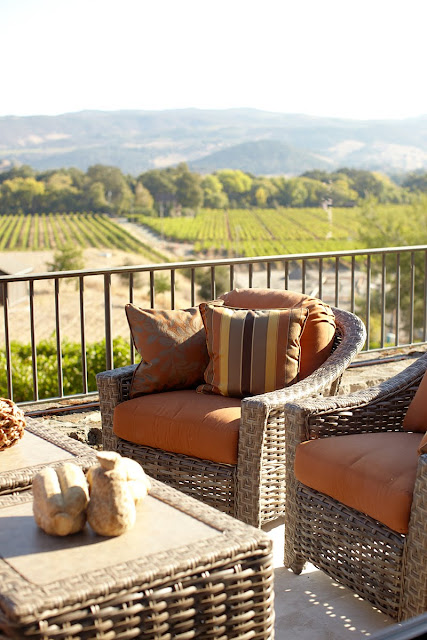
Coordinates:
<point>251,351</point>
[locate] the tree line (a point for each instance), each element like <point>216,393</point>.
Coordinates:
<point>179,191</point>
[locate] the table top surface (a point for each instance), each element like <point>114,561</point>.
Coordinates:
<point>40,446</point>
<point>173,534</point>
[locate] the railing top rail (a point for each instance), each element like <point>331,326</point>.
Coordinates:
<point>210,263</point>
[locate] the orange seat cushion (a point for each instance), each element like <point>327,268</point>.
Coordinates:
<point>373,473</point>
<point>319,331</point>
<point>195,424</point>
<point>416,416</point>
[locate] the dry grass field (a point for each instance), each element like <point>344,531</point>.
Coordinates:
<point>94,316</point>
<point>69,299</point>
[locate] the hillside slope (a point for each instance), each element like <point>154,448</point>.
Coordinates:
<point>137,141</point>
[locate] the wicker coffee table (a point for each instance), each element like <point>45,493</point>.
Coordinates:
<point>184,571</point>
<point>40,446</point>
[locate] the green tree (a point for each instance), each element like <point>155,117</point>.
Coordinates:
<point>161,185</point>
<point>416,182</point>
<point>144,201</point>
<point>61,194</point>
<point>260,197</point>
<point>24,171</point>
<point>388,191</point>
<point>341,191</point>
<point>78,177</point>
<point>189,193</point>
<point>20,194</point>
<point>213,193</point>
<point>295,192</point>
<point>236,184</point>
<point>317,191</point>
<point>371,184</point>
<point>95,197</point>
<point>317,174</point>
<point>68,257</point>
<point>381,229</point>
<point>117,191</point>
<point>264,192</point>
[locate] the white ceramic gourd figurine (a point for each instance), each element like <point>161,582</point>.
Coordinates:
<point>116,485</point>
<point>60,499</point>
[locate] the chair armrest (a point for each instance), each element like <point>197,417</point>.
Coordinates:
<point>113,387</point>
<point>262,426</point>
<point>379,408</point>
<point>352,338</point>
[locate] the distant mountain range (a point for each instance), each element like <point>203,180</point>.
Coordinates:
<point>260,142</point>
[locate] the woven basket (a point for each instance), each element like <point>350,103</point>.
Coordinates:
<point>12,423</point>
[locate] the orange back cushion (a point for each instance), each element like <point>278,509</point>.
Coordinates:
<point>416,416</point>
<point>319,331</point>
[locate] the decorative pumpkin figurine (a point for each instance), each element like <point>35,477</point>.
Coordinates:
<point>116,485</point>
<point>12,423</point>
<point>61,496</point>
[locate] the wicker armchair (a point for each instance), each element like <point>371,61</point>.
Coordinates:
<point>253,490</point>
<point>385,567</point>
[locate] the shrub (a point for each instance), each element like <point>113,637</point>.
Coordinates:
<point>68,257</point>
<point>47,367</point>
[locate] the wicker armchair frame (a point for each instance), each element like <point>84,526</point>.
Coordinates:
<point>386,568</point>
<point>253,490</point>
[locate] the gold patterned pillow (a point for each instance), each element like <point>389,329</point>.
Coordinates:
<point>251,351</point>
<point>172,346</point>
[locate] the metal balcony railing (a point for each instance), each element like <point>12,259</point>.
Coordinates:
<point>386,287</point>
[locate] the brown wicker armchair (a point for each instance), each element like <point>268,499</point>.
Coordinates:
<point>383,566</point>
<point>254,489</point>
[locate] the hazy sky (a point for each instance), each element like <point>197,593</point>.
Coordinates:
<point>364,59</point>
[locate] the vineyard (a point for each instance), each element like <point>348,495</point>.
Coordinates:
<point>218,232</point>
<point>257,232</point>
<point>50,231</point>
<point>261,232</point>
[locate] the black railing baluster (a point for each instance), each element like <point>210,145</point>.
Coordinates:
<point>33,343</point>
<point>360,296</point>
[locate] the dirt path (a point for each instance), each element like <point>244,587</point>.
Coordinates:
<point>172,250</point>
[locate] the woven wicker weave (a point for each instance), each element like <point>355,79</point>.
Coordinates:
<point>219,586</point>
<point>384,567</point>
<point>254,489</point>
<point>20,479</point>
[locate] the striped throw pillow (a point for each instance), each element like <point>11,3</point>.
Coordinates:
<point>251,351</point>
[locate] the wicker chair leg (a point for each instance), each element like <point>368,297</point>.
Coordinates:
<point>414,580</point>
<point>292,558</point>
<point>297,564</point>
<point>249,465</point>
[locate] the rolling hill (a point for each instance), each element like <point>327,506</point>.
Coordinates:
<point>263,143</point>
